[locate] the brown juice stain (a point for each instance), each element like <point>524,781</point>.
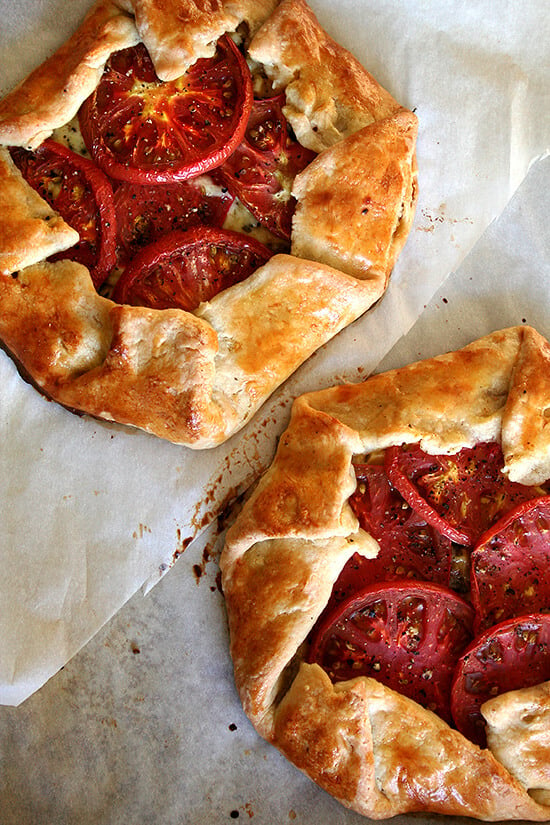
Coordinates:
<point>223,497</point>
<point>140,532</point>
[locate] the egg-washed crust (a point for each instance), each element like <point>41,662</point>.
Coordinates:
<point>376,751</point>
<point>196,378</point>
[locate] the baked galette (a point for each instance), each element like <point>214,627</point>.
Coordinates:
<point>388,586</point>
<point>195,198</point>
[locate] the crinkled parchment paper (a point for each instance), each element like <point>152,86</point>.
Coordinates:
<point>93,512</point>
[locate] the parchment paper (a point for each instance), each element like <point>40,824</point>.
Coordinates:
<point>143,725</point>
<point>93,512</point>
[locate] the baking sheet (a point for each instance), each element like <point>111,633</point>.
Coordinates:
<point>93,512</point>
<point>143,725</point>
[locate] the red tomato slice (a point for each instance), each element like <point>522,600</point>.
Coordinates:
<point>509,656</point>
<point>261,170</point>
<point>511,565</point>
<point>82,195</point>
<point>461,495</point>
<point>183,269</point>
<point>409,547</point>
<point>146,213</point>
<point>143,130</point>
<point>407,635</point>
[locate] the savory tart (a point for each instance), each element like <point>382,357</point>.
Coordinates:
<point>388,588</point>
<point>197,197</point>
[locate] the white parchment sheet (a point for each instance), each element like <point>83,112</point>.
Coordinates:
<point>143,726</point>
<point>92,512</point>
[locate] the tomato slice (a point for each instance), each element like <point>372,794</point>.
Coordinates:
<point>141,129</point>
<point>183,269</point>
<point>82,195</point>
<point>461,495</point>
<point>146,213</point>
<point>261,170</point>
<point>511,565</point>
<point>407,635</point>
<point>512,655</point>
<point>410,548</point>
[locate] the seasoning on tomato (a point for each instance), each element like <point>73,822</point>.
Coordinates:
<point>461,495</point>
<point>82,195</point>
<point>141,129</point>
<point>409,547</point>
<point>511,655</point>
<point>407,635</point>
<point>146,213</point>
<point>183,269</point>
<point>510,572</point>
<point>261,170</point>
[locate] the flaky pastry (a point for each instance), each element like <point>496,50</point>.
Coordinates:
<point>372,748</point>
<point>196,378</point>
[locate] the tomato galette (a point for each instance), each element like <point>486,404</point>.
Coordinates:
<point>195,197</point>
<point>388,586</point>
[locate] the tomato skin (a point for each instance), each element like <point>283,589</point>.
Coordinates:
<point>261,170</point>
<point>183,269</point>
<point>409,547</point>
<point>143,130</point>
<point>461,495</point>
<point>510,573</point>
<point>511,655</point>
<point>82,195</point>
<point>407,635</point>
<point>146,213</point>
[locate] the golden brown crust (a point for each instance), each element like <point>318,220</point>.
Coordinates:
<point>178,32</point>
<point>360,740</point>
<point>29,230</point>
<point>192,379</point>
<point>356,200</point>
<point>144,369</point>
<point>329,95</point>
<point>301,506</point>
<point>52,94</point>
<point>518,723</point>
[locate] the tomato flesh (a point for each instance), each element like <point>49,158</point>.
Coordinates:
<point>261,170</point>
<point>82,195</point>
<point>514,654</point>
<point>461,495</point>
<point>511,565</point>
<point>141,129</point>
<point>409,547</point>
<point>183,269</point>
<point>407,635</point>
<point>146,213</point>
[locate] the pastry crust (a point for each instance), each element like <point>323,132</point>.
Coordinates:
<point>376,751</point>
<point>51,95</point>
<point>356,199</point>
<point>178,32</point>
<point>192,379</point>
<point>517,732</point>
<point>196,378</point>
<point>329,95</point>
<point>31,230</point>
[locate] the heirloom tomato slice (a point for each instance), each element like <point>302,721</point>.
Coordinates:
<point>511,655</point>
<point>82,195</point>
<point>146,213</point>
<point>409,547</point>
<point>407,635</point>
<point>261,170</point>
<point>183,269</point>
<point>462,494</point>
<point>510,571</point>
<point>141,129</point>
